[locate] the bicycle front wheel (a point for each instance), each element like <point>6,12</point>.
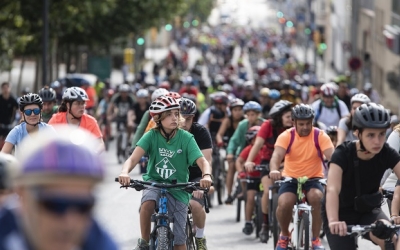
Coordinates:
<point>275,225</point>
<point>163,241</point>
<point>259,215</point>
<point>303,239</point>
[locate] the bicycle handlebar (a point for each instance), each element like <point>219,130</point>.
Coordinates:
<point>362,229</point>
<point>189,187</point>
<point>388,194</point>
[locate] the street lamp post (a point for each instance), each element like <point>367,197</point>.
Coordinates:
<point>45,40</point>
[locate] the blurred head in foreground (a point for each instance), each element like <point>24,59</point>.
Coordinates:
<point>55,183</point>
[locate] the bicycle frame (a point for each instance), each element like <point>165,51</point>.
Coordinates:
<point>298,209</point>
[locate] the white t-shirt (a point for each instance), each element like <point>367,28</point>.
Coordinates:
<point>330,116</point>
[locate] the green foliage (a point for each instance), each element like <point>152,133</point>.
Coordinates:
<point>94,23</point>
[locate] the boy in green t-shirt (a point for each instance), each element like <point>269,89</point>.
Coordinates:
<point>171,151</point>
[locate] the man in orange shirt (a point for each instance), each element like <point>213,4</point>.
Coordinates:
<point>72,112</point>
<point>303,160</point>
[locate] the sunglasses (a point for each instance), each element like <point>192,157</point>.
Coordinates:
<point>61,205</point>
<point>29,112</point>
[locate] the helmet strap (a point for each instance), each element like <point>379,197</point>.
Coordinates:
<point>69,111</point>
<point>362,148</point>
<point>166,135</point>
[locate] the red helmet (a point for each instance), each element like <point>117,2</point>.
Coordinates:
<point>175,95</point>
<point>162,104</point>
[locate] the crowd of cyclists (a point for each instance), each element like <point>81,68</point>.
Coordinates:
<point>282,117</point>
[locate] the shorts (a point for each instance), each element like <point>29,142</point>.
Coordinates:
<point>292,186</point>
<point>176,210</point>
<point>337,242</point>
<point>254,184</point>
<point>201,201</point>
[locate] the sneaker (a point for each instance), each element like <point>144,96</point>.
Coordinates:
<point>317,245</point>
<point>282,243</point>
<point>142,245</point>
<point>229,200</point>
<point>248,228</point>
<point>264,233</point>
<point>201,243</point>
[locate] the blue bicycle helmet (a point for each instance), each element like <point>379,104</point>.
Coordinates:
<point>252,105</point>
<point>274,94</point>
<point>65,153</point>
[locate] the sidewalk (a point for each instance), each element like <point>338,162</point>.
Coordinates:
<point>323,70</point>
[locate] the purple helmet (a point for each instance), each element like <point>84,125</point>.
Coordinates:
<point>68,153</point>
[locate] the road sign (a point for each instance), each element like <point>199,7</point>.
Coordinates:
<point>354,63</point>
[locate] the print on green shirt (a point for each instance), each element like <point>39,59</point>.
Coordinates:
<point>170,161</point>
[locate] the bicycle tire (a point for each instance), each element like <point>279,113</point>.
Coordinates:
<point>238,209</point>
<point>259,215</point>
<point>275,225</point>
<point>190,242</point>
<point>163,241</point>
<point>303,239</point>
<point>221,182</point>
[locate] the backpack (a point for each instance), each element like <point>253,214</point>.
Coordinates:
<point>316,143</point>
<point>318,114</point>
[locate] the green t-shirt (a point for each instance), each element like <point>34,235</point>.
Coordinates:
<point>47,116</point>
<point>169,161</point>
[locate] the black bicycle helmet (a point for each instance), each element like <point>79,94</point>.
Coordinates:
<point>188,107</point>
<point>251,133</point>
<point>30,99</point>
<point>302,112</point>
<point>279,107</point>
<point>371,115</point>
<point>47,94</point>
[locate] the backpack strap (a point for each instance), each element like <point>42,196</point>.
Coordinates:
<point>316,143</point>
<point>338,108</point>
<point>318,114</point>
<point>292,135</point>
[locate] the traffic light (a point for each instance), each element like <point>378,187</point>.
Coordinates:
<point>168,27</point>
<point>140,41</point>
<point>282,20</point>
<point>279,14</point>
<point>289,24</point>
<point>307,31</point>
<point>195,23</point>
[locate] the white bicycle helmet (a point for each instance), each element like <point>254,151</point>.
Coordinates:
<point>124,88</point>
<point>328,89</point>
<point>162,104</point>
<point>142,93</point>
<point>362,98</point>
<point>75,94</point>
<point>158,92</point>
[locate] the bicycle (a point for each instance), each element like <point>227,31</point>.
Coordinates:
<point>302,217</point>
<point>122,142</point>
<point>388,194</point>
<point>360,230</point>
<point>275,229</point>
<point>161,236</point>
<point>190,230</point>
<point>219,173</point>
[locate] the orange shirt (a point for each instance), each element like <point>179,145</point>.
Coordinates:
<point>303,159</point>
<point>91,92</point>
<point>87,122</point>
<point>150,125</point>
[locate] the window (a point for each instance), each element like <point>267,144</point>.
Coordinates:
<point>396,12</point>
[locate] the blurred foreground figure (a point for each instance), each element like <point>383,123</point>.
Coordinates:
<point>8,163</point>
<point>55,181</point>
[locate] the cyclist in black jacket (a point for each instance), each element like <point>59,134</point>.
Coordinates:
<point>203,139</point>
